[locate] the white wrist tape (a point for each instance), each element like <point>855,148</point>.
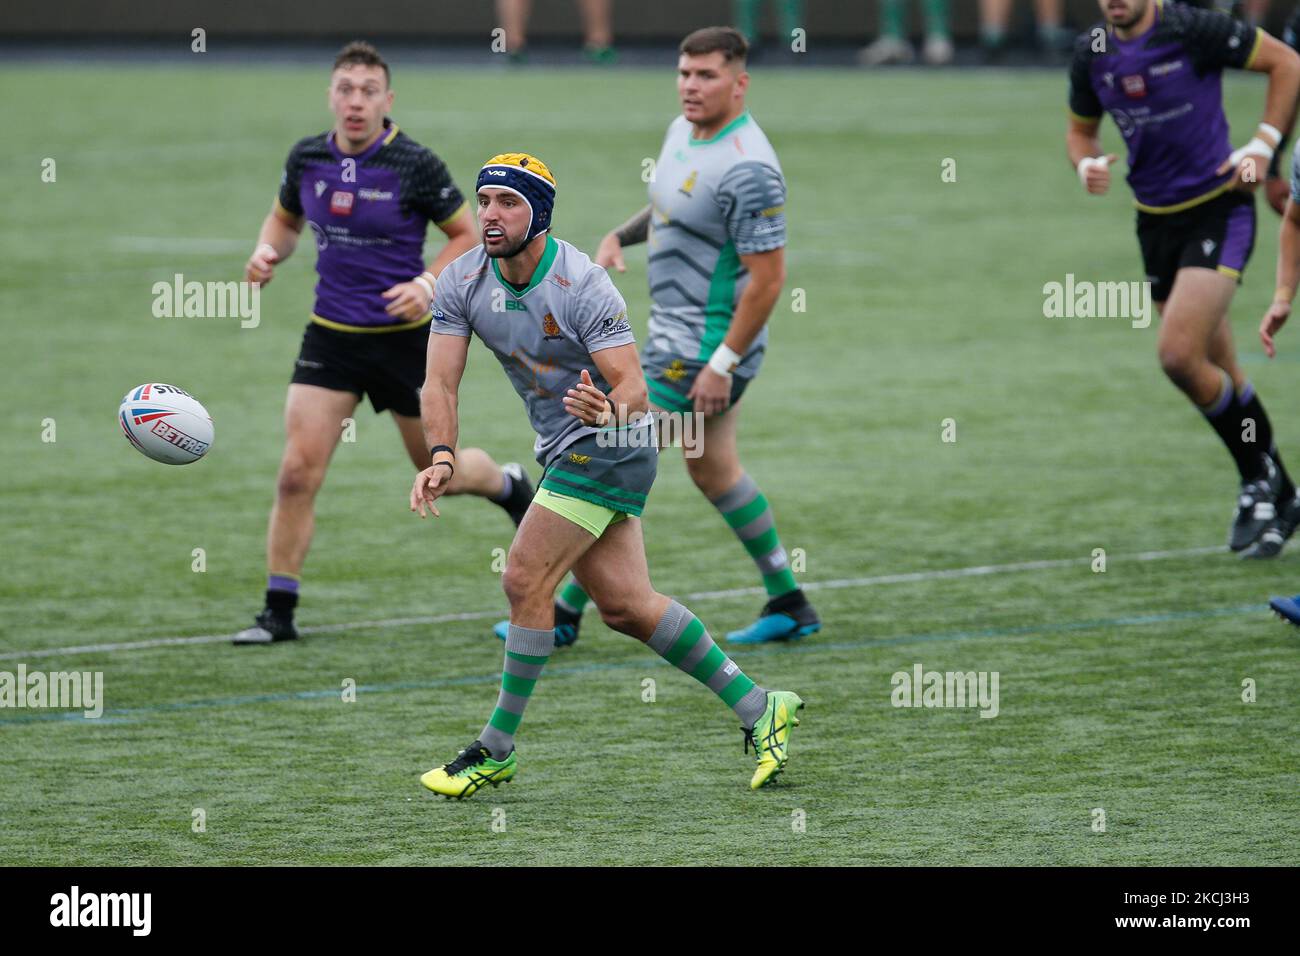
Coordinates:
<point>424,283</point>
<point>1087,163</point>
<point>1272,131</point>
<point>723,360</point>
<point>1256,147</point>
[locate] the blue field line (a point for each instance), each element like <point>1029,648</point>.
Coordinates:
<point>120,715</point>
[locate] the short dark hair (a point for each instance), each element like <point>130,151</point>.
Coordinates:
<point>360,53</point>
<point>725,40</point>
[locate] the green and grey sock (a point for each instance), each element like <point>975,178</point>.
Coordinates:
<point>746,17</point>
<point>572,597</point>
<point>527,650</point>
<point>936,18</point>
<point>792,18</point>
<point>681,639</point>
<point>745,508</point>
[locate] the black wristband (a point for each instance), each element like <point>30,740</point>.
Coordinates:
<point>448,464</point>
<point>437,448</point>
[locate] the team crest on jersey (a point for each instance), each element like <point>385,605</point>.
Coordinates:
<point>577,459</point>
<point>550,328</point>
<point>341,203</point>
<point>320,187</point>
<point>1207,247</point>
<point>1134,86</point>
<point>689,184</point>
<point>676,371</point>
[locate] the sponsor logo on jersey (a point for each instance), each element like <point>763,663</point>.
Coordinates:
<point>341,203</point>
<point>615,324</point>
<point>1160,69</point>
<point>688,185</point>
<point>550,328</point>
<point>1134,86</point>
<point>562,281</point>
<point>577,459</point>
<point>375,195</point>
<point>676,371</point>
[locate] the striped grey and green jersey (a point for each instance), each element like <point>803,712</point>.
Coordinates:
<point>712,201</point>
<point>543,336</point>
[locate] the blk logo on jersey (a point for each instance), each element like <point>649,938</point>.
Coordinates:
<point>1134,86</point>
<point>341,203</point>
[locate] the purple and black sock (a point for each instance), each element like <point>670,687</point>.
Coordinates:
<point>282,594</point>
<point>1251,410</point>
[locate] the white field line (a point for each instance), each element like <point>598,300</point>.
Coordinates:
<point>943,574</point>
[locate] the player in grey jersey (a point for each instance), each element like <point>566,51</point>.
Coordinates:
<point>716,229</point>
<point>1288,277</point>
<point>717,234</point>
<point>559,328</point>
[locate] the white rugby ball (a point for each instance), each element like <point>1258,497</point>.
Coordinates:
<point>166,423</point>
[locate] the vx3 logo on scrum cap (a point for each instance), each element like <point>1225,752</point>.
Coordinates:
<point>74,909</point>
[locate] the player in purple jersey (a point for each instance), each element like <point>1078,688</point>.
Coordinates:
<point>1157,70</point>
<point>368,192</point>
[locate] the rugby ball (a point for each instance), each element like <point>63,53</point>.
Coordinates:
<point>166,423</point>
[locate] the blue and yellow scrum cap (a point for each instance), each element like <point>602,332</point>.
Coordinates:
<point>528,177</point>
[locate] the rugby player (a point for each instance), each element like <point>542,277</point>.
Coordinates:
<point>1275,187</point>
<point>716,228</point>
<point>1288,276</point>
<point>564,342</point>
<point>368,192</point>
<point>1158,73</point>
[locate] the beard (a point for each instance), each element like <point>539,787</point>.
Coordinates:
<point>508,252</point>
<point>1139,10</point>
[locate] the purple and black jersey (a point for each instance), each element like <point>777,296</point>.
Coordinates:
<point>369,213</point>
<point>1164,91</point>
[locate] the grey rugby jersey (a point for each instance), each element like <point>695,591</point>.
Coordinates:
<point>712,201</point>
<point>543,336</point>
